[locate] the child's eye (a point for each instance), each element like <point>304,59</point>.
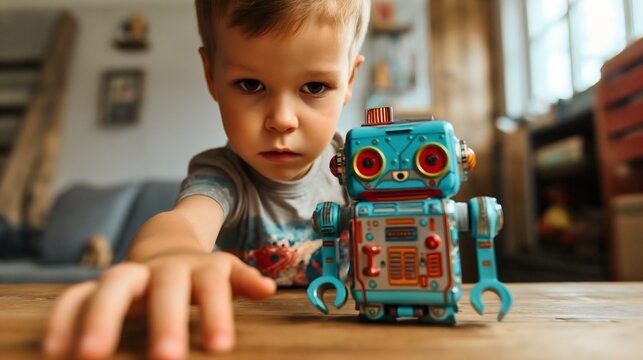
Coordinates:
<point>314,88</point>
<point>250,85</point>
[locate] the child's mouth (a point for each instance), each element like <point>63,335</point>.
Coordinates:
<point>280,156</point>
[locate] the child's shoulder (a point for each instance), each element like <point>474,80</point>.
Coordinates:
<point>221,159</point>
<point>213,153</point>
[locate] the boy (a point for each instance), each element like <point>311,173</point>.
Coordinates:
<point>281,72</point>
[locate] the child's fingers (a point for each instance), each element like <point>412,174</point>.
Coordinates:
<point>248,282</point>
<point>169,301</point>
<point>107,307</point>
<point>62,323</point>
<point>212,292</point>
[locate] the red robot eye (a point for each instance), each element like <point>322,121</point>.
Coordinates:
<point>368,163</point>
<point>432,160</point>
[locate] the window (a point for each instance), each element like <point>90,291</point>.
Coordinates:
<point>565,44</point>
<point>598,32</point>
<point>636,20</point>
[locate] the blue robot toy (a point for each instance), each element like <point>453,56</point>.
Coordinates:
<point>404,256</point>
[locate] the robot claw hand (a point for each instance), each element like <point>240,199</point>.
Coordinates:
<point>494,286</point>
<point>318,287</point>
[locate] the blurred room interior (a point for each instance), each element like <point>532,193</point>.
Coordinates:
<point>103,103</point>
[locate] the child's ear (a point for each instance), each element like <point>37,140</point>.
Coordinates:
<point>359,59</point>
<point>207,70</point>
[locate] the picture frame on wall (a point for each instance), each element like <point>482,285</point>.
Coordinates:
<point>121,95</point>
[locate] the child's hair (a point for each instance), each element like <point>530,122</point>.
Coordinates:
<point>257,17</point>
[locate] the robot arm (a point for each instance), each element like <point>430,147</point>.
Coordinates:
<point>327,222</point>
<point>485,221</point>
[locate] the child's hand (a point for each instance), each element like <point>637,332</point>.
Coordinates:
<point>88,317</point>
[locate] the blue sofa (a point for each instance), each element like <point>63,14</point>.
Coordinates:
<point>114,213</point>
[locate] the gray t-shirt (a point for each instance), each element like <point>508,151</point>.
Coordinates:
<point>267,222</point>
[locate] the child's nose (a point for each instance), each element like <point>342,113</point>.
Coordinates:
<point>281,117</point>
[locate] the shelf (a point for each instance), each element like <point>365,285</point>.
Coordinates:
<point>562,170</point>
<point>565,126</point>
<point>572,170</point>
<point>389,29</point>
<point>12,110</point>
<point>20,64</point>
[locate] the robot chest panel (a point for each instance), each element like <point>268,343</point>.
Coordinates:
<point>402,250</point>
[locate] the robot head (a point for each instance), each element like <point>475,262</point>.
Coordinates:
<point>385,160</point>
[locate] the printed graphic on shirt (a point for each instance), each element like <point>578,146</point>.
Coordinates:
<point>290,254</point>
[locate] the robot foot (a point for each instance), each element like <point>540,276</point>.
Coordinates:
<point>374,313</point>
<point>440,315</point>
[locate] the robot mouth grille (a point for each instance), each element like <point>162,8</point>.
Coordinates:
<point>397,195</point>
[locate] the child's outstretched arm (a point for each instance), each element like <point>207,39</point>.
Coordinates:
<point>171,265</point>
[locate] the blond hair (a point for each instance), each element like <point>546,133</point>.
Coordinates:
<point>257,17</point>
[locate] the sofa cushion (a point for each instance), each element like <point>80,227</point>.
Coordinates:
<point>154,197</point>
<point>81,212</point>
<point>31,270</point>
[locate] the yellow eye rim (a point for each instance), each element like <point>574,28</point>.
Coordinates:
<point>446,163</point>
<point>356,170</point>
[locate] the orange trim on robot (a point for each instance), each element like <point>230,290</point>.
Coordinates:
<point>358,234</point>
<point>400,221</point>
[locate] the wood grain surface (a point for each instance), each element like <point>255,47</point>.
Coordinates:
<point>547,321</point>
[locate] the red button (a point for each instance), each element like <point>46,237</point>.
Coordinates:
<point>432,241</point>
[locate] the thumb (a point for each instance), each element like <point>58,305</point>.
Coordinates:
<point>248,282</point>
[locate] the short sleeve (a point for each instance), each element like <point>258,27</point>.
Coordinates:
<point>219,189</point>
<point>215,174</point>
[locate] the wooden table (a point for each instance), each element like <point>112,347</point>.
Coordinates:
<point>547,321</point>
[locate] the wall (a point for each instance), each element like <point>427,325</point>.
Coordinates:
<point>178,117</point>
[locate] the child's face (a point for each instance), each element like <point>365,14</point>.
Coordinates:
<point>280,96</point>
